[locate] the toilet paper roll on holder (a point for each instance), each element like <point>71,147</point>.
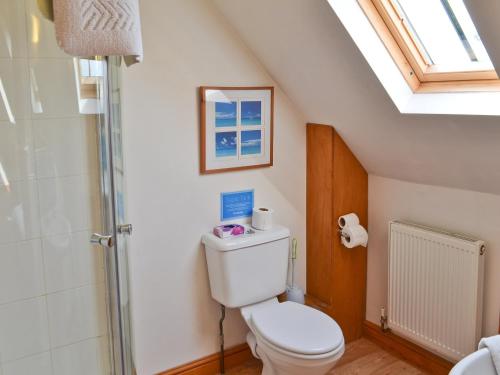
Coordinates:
<point>347,237</point>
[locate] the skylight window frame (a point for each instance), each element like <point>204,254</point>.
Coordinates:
<point>412,60</point>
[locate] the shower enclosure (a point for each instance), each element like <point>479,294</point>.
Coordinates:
<point>63,300</point>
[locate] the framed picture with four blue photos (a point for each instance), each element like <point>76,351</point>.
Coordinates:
<point>236,128</point>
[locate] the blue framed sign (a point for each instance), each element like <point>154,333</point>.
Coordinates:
<point>236,205</point>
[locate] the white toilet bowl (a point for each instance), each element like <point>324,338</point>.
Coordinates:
<point>293,339</point>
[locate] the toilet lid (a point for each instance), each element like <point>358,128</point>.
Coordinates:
<point>298,328</point>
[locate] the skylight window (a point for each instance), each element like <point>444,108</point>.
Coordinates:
<point>433,41</point>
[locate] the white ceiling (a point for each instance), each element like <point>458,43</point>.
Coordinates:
<point>305,48</point>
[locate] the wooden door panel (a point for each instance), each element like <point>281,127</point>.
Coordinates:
<point>337,184</point>
<point>319,214</point>
<point>350,186</point>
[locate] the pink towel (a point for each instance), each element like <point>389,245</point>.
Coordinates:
<point>99,28</point>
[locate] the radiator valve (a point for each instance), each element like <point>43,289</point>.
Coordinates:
<point>383,320</point>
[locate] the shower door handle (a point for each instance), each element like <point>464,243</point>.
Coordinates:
<point>99,239</point>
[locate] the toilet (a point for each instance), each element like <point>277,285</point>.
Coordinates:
<point>248,272</point>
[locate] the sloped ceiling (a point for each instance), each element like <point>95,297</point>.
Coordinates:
<point>305,48</point>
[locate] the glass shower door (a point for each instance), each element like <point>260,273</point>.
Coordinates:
<point>63,301</point>
<point>115,225</point>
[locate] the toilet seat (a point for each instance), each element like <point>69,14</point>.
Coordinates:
<point>297,329</point>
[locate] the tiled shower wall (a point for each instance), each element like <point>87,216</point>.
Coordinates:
<point>52,303</point>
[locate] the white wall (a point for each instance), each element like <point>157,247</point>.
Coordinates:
<point>307,50</point>
<point>188,44</point>
<point>476,214</point>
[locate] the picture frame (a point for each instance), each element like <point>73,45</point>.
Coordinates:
<point>236,128</point>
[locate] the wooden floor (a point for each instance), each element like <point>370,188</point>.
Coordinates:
<point>361,357</point>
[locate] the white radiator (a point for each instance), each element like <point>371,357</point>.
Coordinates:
<point>435,288</point>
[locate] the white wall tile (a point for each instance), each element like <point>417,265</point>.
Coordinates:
<point>104,354</point>
<point>12,29</point>
<point>65,204</point>
<point>14,82</point>
<point>23,329</point>
<point>83,358</point>
<point>16,158</point>
<point>76,314</point>
<point>71,261</point>
<point>19,218</point>
<point>59,146</point>
<point>90,142</point>
<point>53,85</point>
<point>41,32</point>
<point>21,271</point>
<point>63,145</point>
<point>39,364</point>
